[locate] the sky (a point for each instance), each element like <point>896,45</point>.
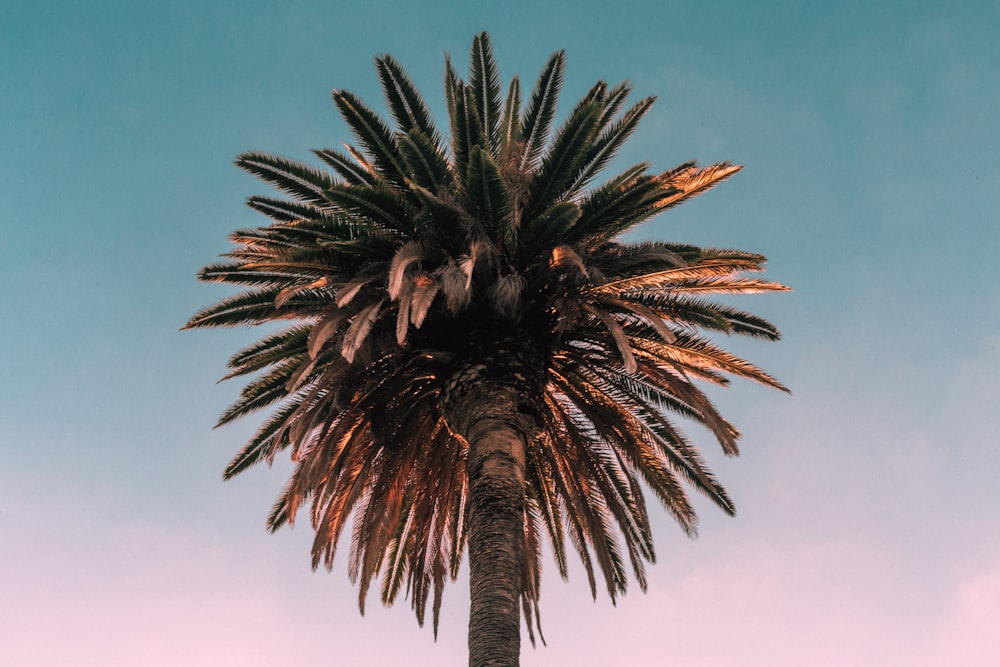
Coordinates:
<point>866,531</point>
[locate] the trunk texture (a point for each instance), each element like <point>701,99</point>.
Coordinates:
<point>496,542</point>
<point>492,404</point>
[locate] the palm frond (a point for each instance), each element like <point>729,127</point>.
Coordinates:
<point>347,167</point>
<point>406,105</point>
<point>510,123</point>
<point>537,117</point>
<point>251,307</point>
<point>606,145</point>
<point>688,181</point>
<point>381,206</point>
<point>360,326</point>
<point>373,134</point>
<point>282,210</point>
<point>269,350</point>
<point>560,163</point>
<point>485,191</point>
<point>293,178</point>
<point>427,165</point>
<point>484,84</point>
<point>263,391</point>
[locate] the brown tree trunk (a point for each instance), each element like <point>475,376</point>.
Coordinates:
<point>493,404</point>
<point>496,541</point>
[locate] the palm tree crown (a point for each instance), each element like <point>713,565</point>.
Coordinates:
<point>435,284</point>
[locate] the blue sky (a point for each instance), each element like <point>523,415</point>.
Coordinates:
<point>866,529</point>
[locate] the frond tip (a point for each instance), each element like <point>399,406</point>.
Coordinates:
<point>688,181</point>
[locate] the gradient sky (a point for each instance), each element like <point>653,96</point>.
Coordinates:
<point>867,530</point>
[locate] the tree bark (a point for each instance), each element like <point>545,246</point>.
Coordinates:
<point>496,541</point>
<point>493,404</point>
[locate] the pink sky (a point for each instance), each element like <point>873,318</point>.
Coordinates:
<point>818,569</point>
<point>170,599</point>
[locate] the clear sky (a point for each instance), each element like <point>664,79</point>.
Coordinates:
<point>867,530</point>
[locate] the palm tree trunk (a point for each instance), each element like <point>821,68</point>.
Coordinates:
<point>496,542</point>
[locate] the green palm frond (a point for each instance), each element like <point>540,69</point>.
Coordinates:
<point>293,178</point>
<point>427,165</point>
<point>605,146</point>
<point>562,162</point>
<point>347,167</point>
<point>282,210</point>
<point>547,230</point>
<point>537,117</point>
<point>272,349</point>
<point>263,391</point>
<point>484,84</point>
<point>615,206</point>
<point>486,194</point>
<point>510,124</point>
<point>252,307</point>
<point>373,134</point>
<point>379,206</point>
<point>404,100</point>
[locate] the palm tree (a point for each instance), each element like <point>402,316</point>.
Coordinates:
<point>472,356</point>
